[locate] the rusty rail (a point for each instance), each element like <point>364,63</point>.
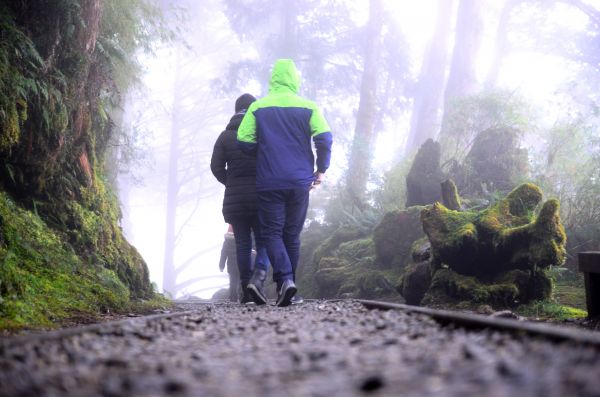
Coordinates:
<point>479,322</point>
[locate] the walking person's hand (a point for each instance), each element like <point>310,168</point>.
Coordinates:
<point>319,178</point>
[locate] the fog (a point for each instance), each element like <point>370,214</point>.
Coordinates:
<point>533,63</point>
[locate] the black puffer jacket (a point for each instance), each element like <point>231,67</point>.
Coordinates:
<point>237,171</point>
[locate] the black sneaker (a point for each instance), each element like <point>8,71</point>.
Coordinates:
<point>255,287</point>
<point>297,299</point>
<point>286,293</point>
<point>245,296</point>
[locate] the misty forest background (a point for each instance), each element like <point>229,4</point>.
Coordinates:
<point>102,99</point>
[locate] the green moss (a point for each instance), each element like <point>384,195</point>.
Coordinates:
<point>43,281</point>
<point>55,127</point>
<point>450,196</point>
<point>449,287</point>
<point>500,238</point>
<point>341,235</point>
<point>523,200</point>
<point>550,311</point>
<point>570,291</point>
<point>312,238</point>
<point>352,250</point>
<point>538,244</point>
<point>329,280</point>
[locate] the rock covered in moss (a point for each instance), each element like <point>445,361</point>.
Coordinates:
<point>312,237</point>
<point>450,197</point>
<point>356,249</point>
<point>421,250</point>
<point>341,235</point>
<point>425,175</point>
<point>495,162</point>
<point>394,236</point>
<point>352,273</point>
<point>414,282</point>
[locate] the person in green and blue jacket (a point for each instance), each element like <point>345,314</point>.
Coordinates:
<point>279,129</point>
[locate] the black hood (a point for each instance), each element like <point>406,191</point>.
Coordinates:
<point>235,121</point>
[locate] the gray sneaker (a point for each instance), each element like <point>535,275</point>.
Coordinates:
<point>255,287</point>
<point>297,299</point>
<point>286,293</point>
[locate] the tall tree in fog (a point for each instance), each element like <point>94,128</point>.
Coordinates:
<point>429,91</point>
<point>462,79</point>
<point>169,271</point>
<point>195,120</point>
<point>193,125</point>
<point>501,46</point>
<point>361,153</point>
<point>325,45</point>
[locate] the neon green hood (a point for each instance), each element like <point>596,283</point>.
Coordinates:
<point>284,77</point>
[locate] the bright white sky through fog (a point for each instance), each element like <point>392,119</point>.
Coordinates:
<point>536,77</point>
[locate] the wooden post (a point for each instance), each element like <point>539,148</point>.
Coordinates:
<point>589,265</point>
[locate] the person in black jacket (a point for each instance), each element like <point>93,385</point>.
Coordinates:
<point>237,171</point>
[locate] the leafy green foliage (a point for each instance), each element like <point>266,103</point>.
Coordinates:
<point>391,194</point>
<point>25,95</point>
<point>568,167</point>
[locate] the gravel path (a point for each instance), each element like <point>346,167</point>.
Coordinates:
<point>314,349</point>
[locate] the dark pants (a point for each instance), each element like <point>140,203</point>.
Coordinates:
<point>234,283</point>
<point>282,214</point>
<point>243,228</point>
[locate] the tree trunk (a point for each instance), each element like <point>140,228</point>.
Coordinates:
<point>287,41</point>
<point>462,79</point>
<point>359,163</point>
<point>425,117</point>
<point>501,46</point>
<point>169,274</point>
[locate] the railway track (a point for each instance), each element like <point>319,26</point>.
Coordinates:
<point>319,348</point>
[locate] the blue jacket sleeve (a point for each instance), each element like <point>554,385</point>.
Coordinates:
<point>323,142</point>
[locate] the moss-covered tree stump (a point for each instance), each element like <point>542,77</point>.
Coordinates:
<point>496,256</point>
